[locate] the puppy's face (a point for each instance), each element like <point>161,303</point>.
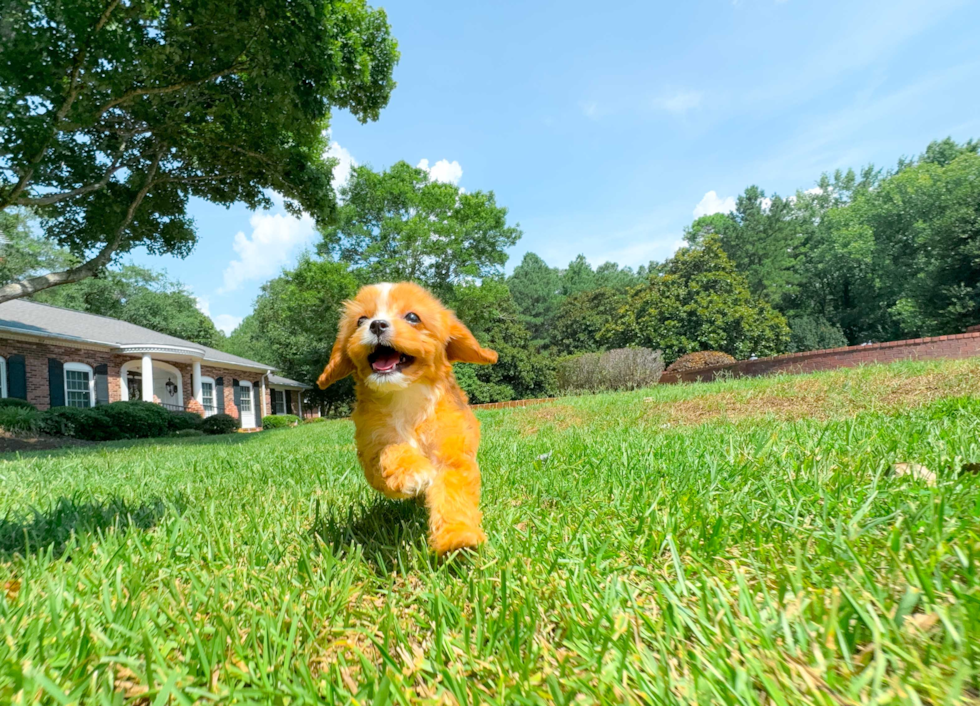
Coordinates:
<point>393,335</point>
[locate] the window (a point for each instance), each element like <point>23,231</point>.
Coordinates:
<point>246,397</point>
<point>79,385</point>
<point>278,402</point>
<point>207,398</point>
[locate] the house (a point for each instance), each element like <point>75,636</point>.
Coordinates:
<point>52,357</point>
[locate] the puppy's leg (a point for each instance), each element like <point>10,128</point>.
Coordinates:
<point>454,506</point>
<point>406,472</point>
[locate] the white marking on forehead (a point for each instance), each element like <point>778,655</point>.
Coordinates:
<point>384,289</point>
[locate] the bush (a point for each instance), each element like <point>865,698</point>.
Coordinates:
<point>77,422</point>
<point>279,421</point>
<point>136,419</point>
<point>188,432</point>
<point>814,333</point>
<point>701,359</point>
<point>619,369</point>
<point>220,424</point>
<point>313,420</point>
<point>16,418</point>
<point>184,421</point>
<point>16,403</point>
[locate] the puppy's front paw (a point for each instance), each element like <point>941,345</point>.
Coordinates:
<point>456,536</point>
<point>405,482</point>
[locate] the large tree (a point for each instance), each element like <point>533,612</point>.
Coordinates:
<point>115,114</point>
<point>402,225</point>
<point>535,288</point>
<point>698,301</point>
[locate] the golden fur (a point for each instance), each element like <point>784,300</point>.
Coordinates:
<point>415,433</point>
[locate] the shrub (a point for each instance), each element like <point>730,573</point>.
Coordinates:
<point>701,359</point>
<point>16,418</point>
<point>619,369</point>
<point>77,422</point>
<point>16,403</point>
<point>279,421</point>
<point>220,424</point>
<point>814,333</point>
<point>184,421</point>
<point>314,420</point>
<point>136,419</point>
<point>188,432</point>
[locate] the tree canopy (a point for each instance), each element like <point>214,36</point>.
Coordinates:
<point>116,114</point>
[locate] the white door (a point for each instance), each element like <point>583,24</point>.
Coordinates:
<point>248,407</point>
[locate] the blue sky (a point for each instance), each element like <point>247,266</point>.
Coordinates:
<point>604,127</point>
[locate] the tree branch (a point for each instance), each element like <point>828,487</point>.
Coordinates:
<point>95,186</point>
<point>32,285</point>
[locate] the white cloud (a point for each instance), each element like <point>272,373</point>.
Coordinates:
<point>682,101</point>
<point>445,171</point>
<point>712,203</point>
<point>227,322</point>
<point>202,305</point>
<point>275,239</point>
<point>345,164</point>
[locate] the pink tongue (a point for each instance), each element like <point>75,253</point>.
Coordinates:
<point>383,364</point>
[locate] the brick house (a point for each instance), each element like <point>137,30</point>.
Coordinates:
<point>52,357</point>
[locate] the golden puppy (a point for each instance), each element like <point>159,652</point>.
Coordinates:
<point>415,432</point>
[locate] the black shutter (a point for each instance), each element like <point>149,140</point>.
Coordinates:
<point>289,401</point>
<point>237,394</point>
<point>219,395</point>
<point>16,377</point>
<point>56,382</point>
<point>102,384</point>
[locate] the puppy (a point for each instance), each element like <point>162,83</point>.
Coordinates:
<point>415,433</point>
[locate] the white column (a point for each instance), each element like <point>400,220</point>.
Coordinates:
<point>299,402</point>
<point>263,394</point>
<point>196,381</point>
<point>147,378</point>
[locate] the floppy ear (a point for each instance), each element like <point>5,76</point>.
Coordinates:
<point>463,346</point>
<point>340,364</point>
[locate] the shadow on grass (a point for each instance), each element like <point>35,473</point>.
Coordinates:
<point>71,517</point>
<point>388,532</point>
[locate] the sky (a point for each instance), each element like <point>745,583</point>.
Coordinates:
<point>606,129</point>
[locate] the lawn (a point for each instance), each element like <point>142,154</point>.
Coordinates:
<point>739,542</point>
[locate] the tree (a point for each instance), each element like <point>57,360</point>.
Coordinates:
<point>535,286</point>
<point>400,225</point>
<point>297,314</point>
<point>582,317</point>
<point>577,277</point>
<point>814,333</point>
<point>521,372</point>
<point>116,114</point>
<point>698,301</point>
<point>22,251</point>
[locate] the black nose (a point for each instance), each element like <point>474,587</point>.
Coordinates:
<point>379,326</point>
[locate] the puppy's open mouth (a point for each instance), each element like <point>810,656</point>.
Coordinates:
<point>386,360</point>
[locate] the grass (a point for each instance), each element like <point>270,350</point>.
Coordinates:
<point>740,542</point>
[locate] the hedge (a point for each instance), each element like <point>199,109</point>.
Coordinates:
<point>17,403</point>
<point>16,418</point>
<point>279,421</point>
<point>220,424</point>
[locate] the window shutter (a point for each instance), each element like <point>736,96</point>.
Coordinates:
<point>56,382</point>
<point>289,401</point>
<point>237,393</point>
<point>16,377</point>
<point>102,384</point>
<point>219,395</point>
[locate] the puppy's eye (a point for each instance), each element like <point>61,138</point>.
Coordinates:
<point>361,320</point>
<point>412,318</point>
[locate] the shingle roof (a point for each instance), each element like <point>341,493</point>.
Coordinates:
<point>286,382</point>
<point>37,319</point>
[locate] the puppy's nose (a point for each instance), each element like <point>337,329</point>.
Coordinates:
<point>379,326</point>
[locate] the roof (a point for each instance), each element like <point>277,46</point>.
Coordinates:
<point>32,318</point>
<point>286,382</point>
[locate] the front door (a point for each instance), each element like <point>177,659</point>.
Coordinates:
<point>248,407</point>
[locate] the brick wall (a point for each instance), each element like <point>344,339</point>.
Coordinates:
<point>36,365</point>
<point>964,345</point>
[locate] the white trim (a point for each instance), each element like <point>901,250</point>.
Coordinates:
<point>3,376</point>
<point>79,368</point>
